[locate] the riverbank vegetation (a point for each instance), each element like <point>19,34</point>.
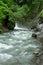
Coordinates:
<point>19,10</point>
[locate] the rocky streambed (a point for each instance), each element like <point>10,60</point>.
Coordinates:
<point>38,34</point>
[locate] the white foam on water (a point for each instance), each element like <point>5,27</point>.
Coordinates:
<point>19,28</point>
<point>30,45</point>
<point>5,46</point>
<point>10,39</point>
<point>5,57</point>
<point>16,26</point>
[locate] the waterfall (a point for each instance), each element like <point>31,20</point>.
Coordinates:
<point>17,27</point>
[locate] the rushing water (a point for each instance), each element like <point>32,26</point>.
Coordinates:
<point>17,47</point>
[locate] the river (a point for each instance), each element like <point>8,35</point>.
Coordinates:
<point>17,47</point>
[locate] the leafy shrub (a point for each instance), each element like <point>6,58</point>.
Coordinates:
<point>1,31</point>
<point>11,21</point>
<point>10,25</point>
<point>6,15</point>
<point>11,10</point>
<point>3,11</point>
<point>41,14</point>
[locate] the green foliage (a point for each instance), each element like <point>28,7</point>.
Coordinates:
<point>41,14</point>
<point>4,12</point>
<point>27,8</point>
<point>10,25</point>
<point>17,10</point>
<point>22,12</point>
<point>3,9</point>
<point>11,21</point>
<point>1,31</point>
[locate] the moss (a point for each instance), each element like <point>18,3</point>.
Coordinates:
<point>1,31</point>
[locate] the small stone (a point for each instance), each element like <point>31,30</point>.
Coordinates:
<point>34,35</point>
<point>36,53</point>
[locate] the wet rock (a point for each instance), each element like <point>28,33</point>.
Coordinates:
<point>41,21</point>
<point>34,35</point>
<point>36,53</point>
<point>40,26</point>
<point>40,38</point>
<point>37,29</point>
<point>34,26</point>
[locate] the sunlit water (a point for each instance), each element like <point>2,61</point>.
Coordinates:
<point>17,47</point>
